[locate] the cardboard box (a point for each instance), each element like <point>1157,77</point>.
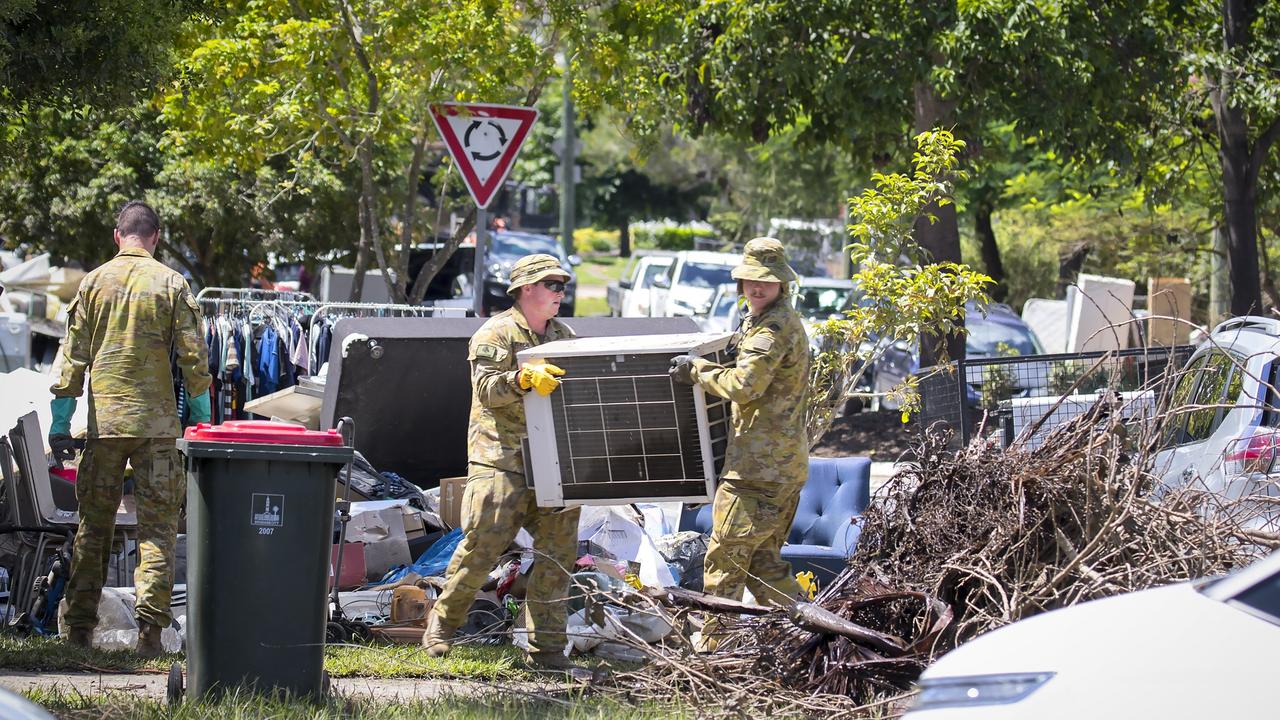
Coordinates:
<point>451,490</point>
<point>414,527</point>
<point>410,605</point>
<point>353,570</point>
<point>380,526</point>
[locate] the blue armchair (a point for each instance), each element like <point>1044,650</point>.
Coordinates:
<point>827,523</point>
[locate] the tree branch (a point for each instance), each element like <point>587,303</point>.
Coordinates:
<point>1261,148</point>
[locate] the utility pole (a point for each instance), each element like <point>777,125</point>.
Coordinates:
<point>568,165</point>
<point>477,266</point>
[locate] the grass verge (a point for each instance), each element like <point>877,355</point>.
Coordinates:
<point>599,270</point>
<point>75,706</point>
<point>488,663</point>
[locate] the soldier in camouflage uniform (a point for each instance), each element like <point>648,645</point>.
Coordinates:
<point>124,322</point>
<point>496,503</point>
<point>767,461</point>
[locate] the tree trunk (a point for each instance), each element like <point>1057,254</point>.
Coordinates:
<point>409,219</point>
<point>1269,288</point>
<point>990,251</point>
<point>1240,205</point>
<point>941,239</point>
<point>1240,165</point>
<point>441,256</point>
<point>624,238</point>
<point>1071,265</point>
<point>369,236</point>
<point>362,263</point>
<point>369,216</point>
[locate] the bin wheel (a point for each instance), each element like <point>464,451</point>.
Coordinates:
<point>173,691</point>
<point>335,634</point>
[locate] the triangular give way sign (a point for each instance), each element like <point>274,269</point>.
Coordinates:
<point>484,141</point>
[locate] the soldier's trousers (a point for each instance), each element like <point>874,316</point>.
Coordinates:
<point>159,483</point>
<point>750,522</point>
<point>495,505</point>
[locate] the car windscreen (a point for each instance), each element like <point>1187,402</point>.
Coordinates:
<point>818,303</point>
<point>517,246</point>
<point>704,275</point>
<point>724,304</point>
<point>993,339</point>
<point>652,272</point>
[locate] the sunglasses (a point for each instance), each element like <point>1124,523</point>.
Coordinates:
<point>554,286</point>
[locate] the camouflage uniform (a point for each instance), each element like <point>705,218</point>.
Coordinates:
<point>122,325</point>
<point>496,503</point>
<point>767,461</point>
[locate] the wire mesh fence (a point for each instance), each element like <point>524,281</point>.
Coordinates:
<point>1007,394</point>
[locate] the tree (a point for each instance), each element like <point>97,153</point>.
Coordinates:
<point>909,301</point>
<point>1237,80</point>
<point>101,51</point>
<point>69,172</point>
<point>296,80</point>
<point>864,75</point>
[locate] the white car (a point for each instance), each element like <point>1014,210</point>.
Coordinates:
<point>629,295</point>
<point>726,310</point>
<point>816,299</point>
<point>1193,651</point>
<point>686,288</point>
<point>1226,436</point>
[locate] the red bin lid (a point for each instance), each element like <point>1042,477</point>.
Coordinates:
<point>263,432</point>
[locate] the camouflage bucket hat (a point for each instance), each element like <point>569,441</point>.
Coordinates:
<point>535,268</point>
<point>764,259</point>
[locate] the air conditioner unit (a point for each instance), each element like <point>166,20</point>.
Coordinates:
<point>618,429</point>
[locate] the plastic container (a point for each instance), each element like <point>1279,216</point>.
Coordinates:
<point>260,501</point>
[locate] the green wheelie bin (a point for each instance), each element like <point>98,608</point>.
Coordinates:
<point>260,509</point>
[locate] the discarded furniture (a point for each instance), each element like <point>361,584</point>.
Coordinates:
<point>825,531</point>
<point>32,506</point>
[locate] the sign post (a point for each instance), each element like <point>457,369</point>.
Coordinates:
<point>483,141</point>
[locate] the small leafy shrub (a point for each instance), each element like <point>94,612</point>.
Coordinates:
<point>595,240</point>
<point>667,235</point>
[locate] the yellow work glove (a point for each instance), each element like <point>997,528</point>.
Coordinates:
<point>540,376</point>
<point>807,583</point>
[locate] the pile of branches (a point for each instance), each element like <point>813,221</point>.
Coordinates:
<point>1000,534</point>
<point>964,542</point>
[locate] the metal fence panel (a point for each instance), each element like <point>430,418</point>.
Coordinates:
<point>976,393</point>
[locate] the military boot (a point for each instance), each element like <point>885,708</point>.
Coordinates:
<point>557,662</point>
<point>708,641</point>
<point>149,640</point>
<point>436,638</point>
<point>80,637</point>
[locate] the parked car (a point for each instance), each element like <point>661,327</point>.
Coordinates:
<point>725,312</point>
<point>1189,651</point>
<point>505,248</point>
<point>629,295</point>
<point>991,332</point>
<point>1227,435</point>
<point>815,298</point>
<point>687,287</point>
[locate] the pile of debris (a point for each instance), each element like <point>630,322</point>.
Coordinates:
<point>962,543</point>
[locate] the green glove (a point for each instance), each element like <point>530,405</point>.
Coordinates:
<point>63,408</point>
<point>198,408</point>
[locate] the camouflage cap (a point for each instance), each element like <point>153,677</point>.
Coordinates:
<point>535,268</point>
<point>764,259</point>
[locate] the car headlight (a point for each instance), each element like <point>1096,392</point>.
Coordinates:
<point>497,272</point>
<point>683,305</point>
<point>976,690</point>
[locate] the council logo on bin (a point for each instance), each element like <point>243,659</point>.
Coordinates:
<point>268,510</point>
